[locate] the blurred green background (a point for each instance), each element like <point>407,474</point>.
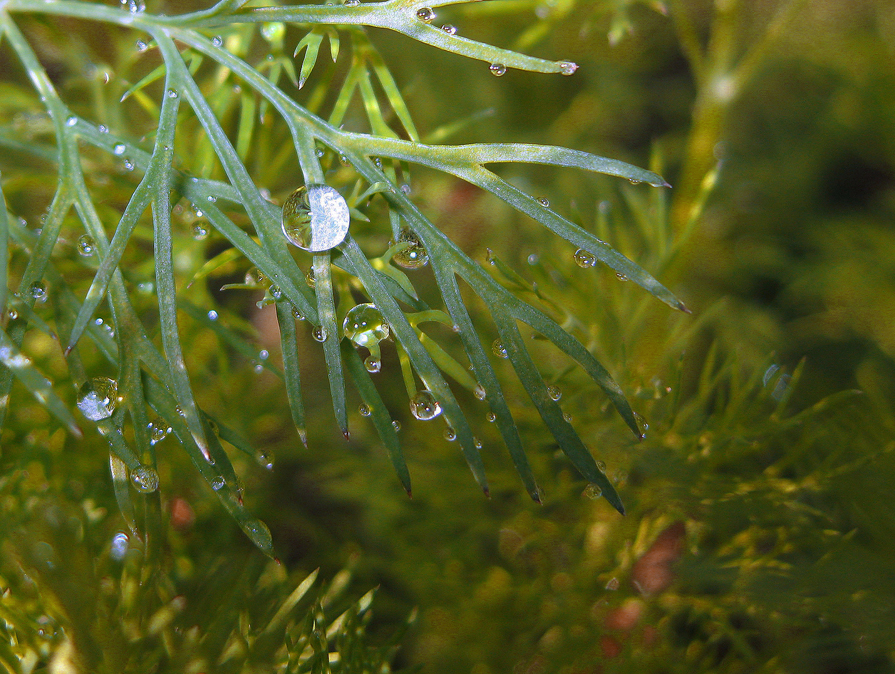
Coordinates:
<point>760,527</point>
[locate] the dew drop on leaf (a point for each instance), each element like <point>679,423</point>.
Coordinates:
<point>414,255</point>
<point>491,417</point>
<point>364,410</point>
<point>425,14</point>
<point>499,349</point>
<point>38,291</point>
<point>255,277</point>
<point>71,121</point>
<point>424,406</point>
<point>297,315</point>
<point>212,315</point>
<point>396,425</point>
<point>544,202</point>
<point>621,277</point>
<point>365,326</point>
<point>593,492</point>
<point>450,434</point>
<point>567,67</point>
<point>310,278</point>
<point>554,392</point>
<point>479,392</point>
<point>217,41</point>
<point>145,479</point>
<point>315,218</point>
<point>497,69</point>
<point>98,398</point>
<point>200,231</point>
<point>449,29</point>
<point>567,417</point>
<point>372,365</point>
<point>218,483</point>
<point>119,149</point>
<point>158,430</point>
<point>319,333</point>
<point>477,443</point>
<point>86,245</point>
<point>264,459</point>
<point>584,259</point>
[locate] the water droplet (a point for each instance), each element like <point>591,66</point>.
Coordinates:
<point>593,492</point>
<point>414,255</point>
<point>71,121</point>
<point>264,459</point>
<point>218,483</point>
<point>424,407</point>
<point>499,349</point>
<point>315,218</point>
<point>86,245</point>
<point>343,160</point>
<point>601,465</point>
<point>497,69</point>
<point>129,164</point>
<point>147,287</point>
<point>365,326</point>
<point>212,315</point>
<point>642,426</point>
<point>406,189</point>
<point>479,392</point>
<point>621,277</point>
<point>255,277</point>
<point>264,354</point>
<point>180,411</point>
<point>373,365</point>
<point>98,398</point>
<point>491,417</point>
<point>141,45</point>
<point>450,434</point>
<point>158,430</point>
<point>319,333</point>
<point>554,392</point>
<point>634,181</point>
<point>38,291</point>
<point>352,3</point>
<point>172,93</point>
<point>426,14</point>
<point>120,544</point>
<point>103,128</point>
<point>364,410</point>
<point>567,67</point>
<point>200,231</point>
<point>217,41</point>
<point>297,315</point>
<point>378,162</point>
<point>396,425</point>
<point>477,442</point>
<point>145,479</point>
<point>119,149</point>
<point>533,259</point>
<point>544,202</point>
<point>13,314</point>
<point>584,259</point>
<point>449,29</point>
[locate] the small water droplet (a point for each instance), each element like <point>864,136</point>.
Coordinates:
<point>103,128</point>
<point>365,326</point>
<point>477,442</point>
<point>129,164</point>
<point>98,398</point>
<point>424,406</point>
<point>297,315</point>
<point>212,315</point>
<point>593,492</point>
<point>449,29</point>
<point>567,417</point>
<point>119,149</point>
<point>425,14</point>
<point>601,465</point>
<point>372,365</point>
<point>315,218</point>
<point>364,410</point>
<point>544,202</point>
<point>146,287</point>
<point>634,181</point>
<point>145,479</point>
<point>499,349</point>
<point>255,277</point>
<point>38,291</point>
<point>172,93</point>
<point>414,255</point>
<point>158,430</point>
<point>264,354</point>
<point>141,45</point>
<point>491,417</point>
<point>497,69</point>
<point>217,41</point>
<point>311,278</point>
<point>180,411</point>
<point>86,245</point>
<point>533,259</point>
<point>13,314</point>
<point>621,277</point>
<point>352,3</point>
<point>584,259</point>
<point>200,231</point>
<point>120,544</point>
<point>479,392</point>
<point>319,333</point>
<point>450,434</point>
<point>218,483</point>
<point>71,121</point>
<point>378,162</point>
<point>396,425</point>
<point>344,161</point>
<point>554,392</point>
<point>264,459</point>
<point>567,67</point>
<point>406,189</point>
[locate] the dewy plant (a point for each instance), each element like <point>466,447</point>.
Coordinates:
<point>188,150</point>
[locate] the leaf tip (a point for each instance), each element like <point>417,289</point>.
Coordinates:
<point>303,435</point>
<point>347,434</point>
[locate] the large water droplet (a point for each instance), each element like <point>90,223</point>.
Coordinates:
<point>255,277</point>
<point>98,398</point>
<point>319,333</point>
<point>554,392</point>
<point>218,483</point>
<point>86,245</point>
<point>424,407</point>
<point>584,259</point>
<point>315,218</point>
<point>119,149</point>
<point>373,365</point>
<point>364,410</point>
<point>365,326</point>
<point>497,69</point>
<point>499,349</point>
<point>414,255</point>
<point>71,121</point>
<point>120,545</point>
<point>479,392</point>
<point>425,14</point>
<point>450,434</point>
<point>145,479</point>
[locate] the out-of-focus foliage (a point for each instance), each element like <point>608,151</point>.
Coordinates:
<point>759,529</point>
